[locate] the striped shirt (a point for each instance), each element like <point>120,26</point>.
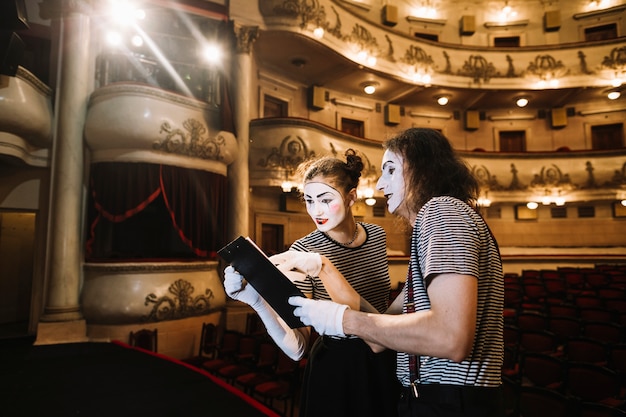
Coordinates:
<point>365,267</point>
<point>450,237</point>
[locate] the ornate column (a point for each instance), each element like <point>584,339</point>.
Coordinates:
<point>62,318</point>
<point>238,172</point>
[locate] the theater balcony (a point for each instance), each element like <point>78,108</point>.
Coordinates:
<point>26,118</point>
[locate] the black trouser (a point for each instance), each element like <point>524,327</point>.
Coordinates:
<point>439,400</point>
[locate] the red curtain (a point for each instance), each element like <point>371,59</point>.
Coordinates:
<point>195,201</point>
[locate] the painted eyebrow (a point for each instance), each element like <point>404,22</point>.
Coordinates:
<point>320,195</point>
<point>388,163</point>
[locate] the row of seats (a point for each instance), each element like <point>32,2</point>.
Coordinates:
<point>565,342</point>
<point>535,401</point>
<point>252,362</point>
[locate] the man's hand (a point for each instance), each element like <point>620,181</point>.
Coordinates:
<point>325,316</point>
<point>309,263</point>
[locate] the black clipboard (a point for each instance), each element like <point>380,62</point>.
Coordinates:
<point>275,288</point>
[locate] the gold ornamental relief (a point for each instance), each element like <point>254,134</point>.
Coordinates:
<point>192,141</point>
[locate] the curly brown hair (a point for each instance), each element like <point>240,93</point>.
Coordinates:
<point>432,168</point>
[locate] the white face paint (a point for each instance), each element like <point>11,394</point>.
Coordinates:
<point>391,183</point>
<point>325,205</point>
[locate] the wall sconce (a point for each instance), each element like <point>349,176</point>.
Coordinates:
<point>483,200</point>
<point>367,58</point>
<point>532,205</point>
<point>318,32</point>
<point>369,87</point>
<point>521,101</point>
<point>286,186</point>
<point>443,99</point>
<point>366,193</point>
<point>507,13</point>
<point>598,4</point>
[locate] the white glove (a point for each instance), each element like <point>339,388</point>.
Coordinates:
<point>291,341</point>
<point>239,290</point>
<point>325,316</point>
<point>309,263</point>
<point>294,276</point>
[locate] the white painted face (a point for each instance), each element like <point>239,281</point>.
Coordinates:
<point>325,205</point>
<point>391,183</point>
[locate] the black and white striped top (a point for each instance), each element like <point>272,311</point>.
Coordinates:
<point>450,237</point>
<point>365,267</point>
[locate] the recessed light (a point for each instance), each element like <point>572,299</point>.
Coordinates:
<point>443,100</point>
<point>369,87</point>
<point>521,101</point>
<point>613,95</point>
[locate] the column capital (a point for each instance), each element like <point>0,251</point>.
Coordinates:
<point>56,9</point>
<point>246,35</point>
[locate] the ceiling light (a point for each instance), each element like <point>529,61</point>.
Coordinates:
<point>521,101</point>
<point>613,95</point>
<point>443,100</point>
<point>369,87</point>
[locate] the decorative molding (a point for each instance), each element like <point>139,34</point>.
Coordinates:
<point>246,36</point>
<point>307,13</point>
<point>546,67</point>
<point>499,25</point>
<point>360,4</point>
<point>478,68</point>
<point>191,143</point>
<point>418,57</point>
<point>36,83</point>
<point>615,61</point>
<point>347,103</point>
<point>181,305</point>
<point>150,267</point>
<point>416,19</point>
<point>277,122</point>
<point>24,152</point>
<point>431,115</point>
<point>553,178</point>
<point>291,153</point>
<point>599,111</point>
<point>596,13</point>
<point>512,117</point>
